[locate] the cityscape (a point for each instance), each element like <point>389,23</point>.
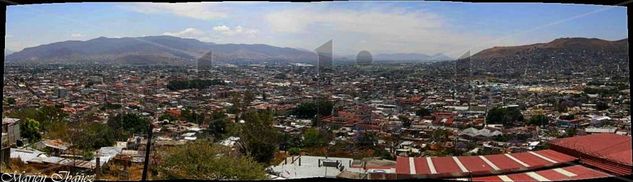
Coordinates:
<point>185,105</point>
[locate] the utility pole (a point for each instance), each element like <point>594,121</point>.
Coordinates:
<point>147,148</point>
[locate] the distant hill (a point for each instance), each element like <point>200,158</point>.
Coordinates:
<point>155,50</point>
<point>399,58</point>
<point>566,54</point>
<point>7,52</point>
<point>410,57</point>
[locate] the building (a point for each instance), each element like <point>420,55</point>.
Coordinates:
<point>10,132</point>
<point>296,167</point>
<point>10,136</point>
<point>61,92</point>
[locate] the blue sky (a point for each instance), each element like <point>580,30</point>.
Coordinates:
<point>379,27</point>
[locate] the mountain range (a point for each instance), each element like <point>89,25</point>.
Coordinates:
<point>411,57</point>
<point>155,50</point>
<point>175,50</point>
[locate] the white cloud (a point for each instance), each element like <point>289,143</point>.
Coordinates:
<point>221,28</point>
<point>237,30</point>
<point>76,35</point>
<point>187,33</point>
<point>374,29</point>
<point>218,33</point>
<point>201,11</point>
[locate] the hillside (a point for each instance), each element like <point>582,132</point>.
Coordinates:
<point>564,54</point>
<point>155,50</point>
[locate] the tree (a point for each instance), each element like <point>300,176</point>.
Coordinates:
<point>195,83</point>
<point>92,136</point>
<point>58,130</point>
<point>495,116</point>
<point>290,141</point>
<point>367,140</point>
<point>294,151</point>
<point>570,132</point>
<point>601,106</point>
<point>191,116</point>
<point>308,110</point>
<point>568,117</point>
<point>505,116</point>
<point>45,115</point>
<point>126,124</point>
<point>406,122</point>
<point>258,138</point>
<point>540,120</point>
<point>313,137</point>
<point>512,115</point>
<point>11,101</point>
<point>439,135</point>
<point>30,129</point>
<point>205,161</point>
<point>423,112</point>
<point>218,125</point>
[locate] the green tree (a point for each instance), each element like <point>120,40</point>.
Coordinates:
<point>505,116</point>
<point>258,138</point>
<point>570,132</point>
<point>495,116</point>
<point>313,137</point>
<point>406,121</point>
<point>205,161</point>
<point>92,136</point>
<point>195,83</point>
<point>45,115</point>
<point>439,135</point>
<point>308,110</point>
<point>294,151</point>
<point>367,140</point>
<point>30,129</point>
<point>290,141</point>
<point>423,112</point>
<point>540,120</point>
<point>11,101</point>
<point>218,126</point>
<point>190,115</point>
<point>127,124</point>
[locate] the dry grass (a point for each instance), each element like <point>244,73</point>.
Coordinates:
<point>16,165</point>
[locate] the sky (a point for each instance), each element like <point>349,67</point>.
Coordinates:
<point>450,28</point>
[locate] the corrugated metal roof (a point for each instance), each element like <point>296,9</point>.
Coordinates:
<point>25,155</point>
<point>612,147</point>
<point>575,172</point>
<point>460,166</point>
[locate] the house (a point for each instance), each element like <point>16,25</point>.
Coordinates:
<point>443,118</point>
<point>600,130</point>
<point>10,136</point>
<point>10,132</point>
<point>599,120</point>
<point>56,147</point>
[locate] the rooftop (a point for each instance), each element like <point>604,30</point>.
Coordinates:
<point>612,147</point>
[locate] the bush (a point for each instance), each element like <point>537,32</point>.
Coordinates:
<point>294,151</point>
<point>205,161</point>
